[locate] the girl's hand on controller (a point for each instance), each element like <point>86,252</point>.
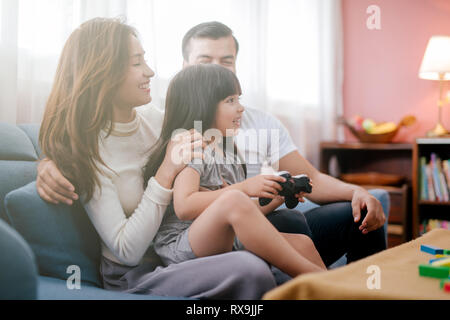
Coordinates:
<point>278,201</point>
<point>262,186</point>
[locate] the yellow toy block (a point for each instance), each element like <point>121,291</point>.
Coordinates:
<point>441,263</point>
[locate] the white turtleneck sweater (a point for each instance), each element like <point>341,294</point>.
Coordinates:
<point>125,215</point>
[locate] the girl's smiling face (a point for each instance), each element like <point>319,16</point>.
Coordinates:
<point>229,115</point>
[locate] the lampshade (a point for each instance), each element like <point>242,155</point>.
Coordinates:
<point>436,59</point>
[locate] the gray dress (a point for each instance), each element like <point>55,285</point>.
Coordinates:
<point>171,241</point>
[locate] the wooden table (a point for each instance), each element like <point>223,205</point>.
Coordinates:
<point>399,276</point>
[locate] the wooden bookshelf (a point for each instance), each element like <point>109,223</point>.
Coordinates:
<point>436,203</point>
<point>387,158</point>
<point>428,209</point>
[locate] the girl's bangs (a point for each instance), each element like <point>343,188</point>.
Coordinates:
<point>229,84</point>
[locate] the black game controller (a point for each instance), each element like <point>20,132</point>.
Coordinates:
<point>291,187</point>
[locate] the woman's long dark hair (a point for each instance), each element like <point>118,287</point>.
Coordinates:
<point>193,95</point>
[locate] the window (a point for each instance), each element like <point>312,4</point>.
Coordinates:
<point>43,25</point>
<point>1,21</point>
<point>293,52</point>
<point>277,65</point>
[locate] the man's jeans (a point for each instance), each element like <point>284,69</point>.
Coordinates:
<point>332,229</point>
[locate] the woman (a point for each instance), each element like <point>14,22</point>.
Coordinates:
<point>98,139</point>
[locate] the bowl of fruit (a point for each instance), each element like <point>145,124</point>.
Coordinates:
<point>367,130</point>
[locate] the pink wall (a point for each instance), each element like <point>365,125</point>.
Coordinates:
<point>381,66</point>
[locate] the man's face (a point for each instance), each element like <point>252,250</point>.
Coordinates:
<point>221,51</point>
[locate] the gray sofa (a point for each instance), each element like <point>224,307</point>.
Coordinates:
<point>40,241</point>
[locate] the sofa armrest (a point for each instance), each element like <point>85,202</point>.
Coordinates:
<point>18,276</point>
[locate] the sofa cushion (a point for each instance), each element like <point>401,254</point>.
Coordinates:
<point>56,289</point>
<point>32,131</point>
<point>18,155</point>
<point>15,144</point>
<point>13,175</point>
<point>59,235</point>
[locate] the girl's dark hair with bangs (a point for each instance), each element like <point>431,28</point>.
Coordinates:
<point>193,95</point>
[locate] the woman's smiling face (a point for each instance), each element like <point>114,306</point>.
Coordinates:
<point>135,90</point>
<point>229,115</point>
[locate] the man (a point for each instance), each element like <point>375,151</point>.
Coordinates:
<point>337,227</point>
<point>213,42</point>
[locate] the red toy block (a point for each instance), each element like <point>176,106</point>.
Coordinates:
<point>447,287</point>
<point>443,282</point>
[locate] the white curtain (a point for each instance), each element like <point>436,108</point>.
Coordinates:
<point>289,63</point>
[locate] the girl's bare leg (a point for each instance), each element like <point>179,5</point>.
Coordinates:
<point>234,213</point>
<point>305,246</point>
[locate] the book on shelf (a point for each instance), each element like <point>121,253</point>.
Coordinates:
<point>423,179</point>
<point>435,179</point>
<point>446,168</point>
<point>430,224</point>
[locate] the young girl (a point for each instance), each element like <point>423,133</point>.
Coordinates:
<point>190,228</point>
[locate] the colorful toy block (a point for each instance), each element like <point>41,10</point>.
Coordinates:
<point>431,249</point>
<point>443,282</point>
<point>436,259</point>
<point>447,287</point>
<point>427,270</point>
<point>443,262</point>
<point>439,267</point>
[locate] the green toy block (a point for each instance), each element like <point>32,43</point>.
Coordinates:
<point>447,252</point>
<point>427,270</point>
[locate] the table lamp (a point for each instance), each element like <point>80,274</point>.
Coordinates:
<point>436,66</point>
